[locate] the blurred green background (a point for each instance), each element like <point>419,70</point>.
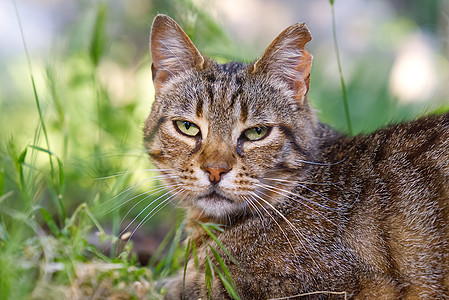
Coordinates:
<point>73,172</point>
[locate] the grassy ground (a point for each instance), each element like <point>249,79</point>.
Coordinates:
<point>73,172</point>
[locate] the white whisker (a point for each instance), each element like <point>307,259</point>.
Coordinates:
<point>300,238</point>
<point>253,205</point>
<point>135,218</point>
<point>320,163</point>
<point>147,180</point>
<point>295,182</point>
<point>140,201</point>
<point>282,193</point>
<point>318,194</point>
<point>154,211</point>
<point>304,198</point>
<point>274,220</point>
<point>122,173</point>
<point>153,191</point>
<point>303,186</point>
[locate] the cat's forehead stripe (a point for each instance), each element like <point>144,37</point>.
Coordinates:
<point>223,89</point>
<point>199,107</point>
<point>238,92</point>
<point>243,111</point>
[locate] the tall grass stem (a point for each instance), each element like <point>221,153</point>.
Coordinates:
<point>41,118</point>
<point>342,80</point>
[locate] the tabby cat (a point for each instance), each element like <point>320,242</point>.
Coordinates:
<point>306,211</point>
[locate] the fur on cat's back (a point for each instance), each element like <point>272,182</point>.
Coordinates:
<point>305,211</point>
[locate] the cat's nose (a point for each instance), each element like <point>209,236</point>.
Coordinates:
<point>215,173</point>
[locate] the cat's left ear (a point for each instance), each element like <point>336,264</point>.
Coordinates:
<point>287,59</point>
<point>172,51</point>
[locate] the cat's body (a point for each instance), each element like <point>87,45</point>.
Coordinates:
<point>305,210</point>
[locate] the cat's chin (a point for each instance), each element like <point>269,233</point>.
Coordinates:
<point>217,206</point>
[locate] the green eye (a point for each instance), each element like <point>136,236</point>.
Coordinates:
<point>256,133</point>
<point>187,128</point>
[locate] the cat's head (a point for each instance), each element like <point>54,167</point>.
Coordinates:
<point>229,138</point>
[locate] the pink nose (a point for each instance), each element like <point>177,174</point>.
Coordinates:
<point>215,173</point>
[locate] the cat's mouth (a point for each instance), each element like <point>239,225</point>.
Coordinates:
<point>214,197</point>
<point>218,206</point>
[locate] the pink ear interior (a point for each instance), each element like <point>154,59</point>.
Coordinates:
<point>172,50</point>
<point>287,59</point>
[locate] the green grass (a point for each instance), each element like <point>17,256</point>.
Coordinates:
<point>72,164</point>
<point>61,175</point>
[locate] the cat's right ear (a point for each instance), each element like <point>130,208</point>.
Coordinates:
<point>172,51</point>
<point>287,59</point>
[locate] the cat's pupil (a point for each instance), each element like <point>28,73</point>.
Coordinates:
<point>258,130</point>
<point>187,125</point>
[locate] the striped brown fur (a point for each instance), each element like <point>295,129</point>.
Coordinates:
<point>305,210</point>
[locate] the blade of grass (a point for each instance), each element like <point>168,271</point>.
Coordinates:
<point>172,262</point>
<point>30,70</point>
<point>195,255</point>
<point>60,184</point>
<point>41,117</point>
<point>55,96</point>
<point>97,48</point>
<point>20,162</point>
<point>3,234</point>
<point>342,80</point>
<point>209,275</point>
<point>228,282</point>
<point>83,207</point>
<point>157,255</point>
<point>186,261</point>
<point>228,286</point>
<point>98,41</point>
<point>206,228</point>
<point>2,180</point>
<point>50,222</point>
